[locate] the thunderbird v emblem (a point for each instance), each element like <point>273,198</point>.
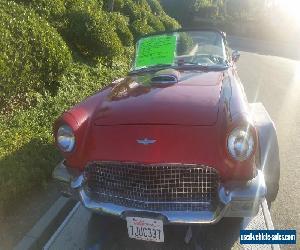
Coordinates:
<point>145,141</point>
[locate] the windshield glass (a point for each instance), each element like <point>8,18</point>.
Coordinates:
<point>204,48</point>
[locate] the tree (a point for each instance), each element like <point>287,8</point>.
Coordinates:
<point>185,10</point>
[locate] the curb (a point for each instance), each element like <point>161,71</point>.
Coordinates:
<point>268,220</point>
<point>46,225</point>
<point>61,227</point>
<point>267,215</point>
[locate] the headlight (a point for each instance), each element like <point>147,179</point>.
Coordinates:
<point>65,138</point>
<point>240,144</point>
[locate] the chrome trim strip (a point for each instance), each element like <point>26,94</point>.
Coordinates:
<point>151,202</point>
<point>205,217</point>
<point>77,182</point>
<point>152,164</point>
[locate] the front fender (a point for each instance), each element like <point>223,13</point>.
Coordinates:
<point>268,154</point>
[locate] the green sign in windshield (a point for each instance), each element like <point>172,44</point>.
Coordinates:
<point>156,50</point>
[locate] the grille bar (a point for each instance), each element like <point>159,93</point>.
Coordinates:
<point>153,187</point>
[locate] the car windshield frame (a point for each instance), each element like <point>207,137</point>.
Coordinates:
<point>177,64</point>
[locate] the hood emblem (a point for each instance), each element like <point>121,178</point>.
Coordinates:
<point>146,141</point>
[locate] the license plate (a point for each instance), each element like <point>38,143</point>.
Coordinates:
<point>145,229</point>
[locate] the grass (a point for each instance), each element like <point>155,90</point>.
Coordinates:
<point>27,151</point>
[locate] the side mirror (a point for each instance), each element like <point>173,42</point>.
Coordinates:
<point>235,55</point>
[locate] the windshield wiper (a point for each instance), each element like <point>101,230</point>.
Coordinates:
<point>203,67</point>
<point>193,65</point>
<point>151,68</point>
<point>186,65</point>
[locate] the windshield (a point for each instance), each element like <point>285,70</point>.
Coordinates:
<point>205,48</point>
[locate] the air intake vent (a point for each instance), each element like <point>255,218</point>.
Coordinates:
<point>168,76</point>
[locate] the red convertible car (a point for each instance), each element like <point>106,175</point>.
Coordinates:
<point>175,141</point>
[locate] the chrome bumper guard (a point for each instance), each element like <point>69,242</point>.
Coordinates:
<point>236,199</point>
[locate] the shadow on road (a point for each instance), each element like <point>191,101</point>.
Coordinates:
<point>30,166</point>
<point>24,194</point>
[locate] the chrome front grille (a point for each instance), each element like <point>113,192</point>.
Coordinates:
<point>170,187</point>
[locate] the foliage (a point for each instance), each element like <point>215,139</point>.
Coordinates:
<point>27,152</point>
<point>146,16</point>
<point>33,55</point>
<point>121,23</point>
<point>50,10</point>
<point>178,9</point>
<point>185,10</point>
<point>132,11</point>
<point>238,8</point>
<point>54,54</point>
<point>100,28</point>
<point>155,23</point>
<point>197,4</point>
<point>156,8</point>
<point>207,12</point>
<point>140,27</point>
<point>93,35</point>
<point>170,23</point>
<point>185,43</point>
<point>89,5</point>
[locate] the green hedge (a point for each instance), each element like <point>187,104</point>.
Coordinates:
<point>146,17</point>
<point>93,35</point>
<point>122,28</point>
<point>36,36</point>
<point>54,54</point>
<point>93,31</point>
<point>155,23</point>
<point>52,10</point>
<point>140,27</point>
<point>33,55</point>
<point>169,23</point>
<point>156,8</point>
<point>27,152</point>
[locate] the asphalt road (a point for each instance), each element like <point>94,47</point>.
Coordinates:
<point>98,232</point>
<point>275,81</point>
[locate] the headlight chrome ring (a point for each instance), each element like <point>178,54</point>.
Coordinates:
<point>65,138</point>
<point>240,143</point>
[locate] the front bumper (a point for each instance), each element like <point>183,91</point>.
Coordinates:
<point>236,199</point>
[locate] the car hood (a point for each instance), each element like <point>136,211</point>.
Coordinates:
<point>192,100</point>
